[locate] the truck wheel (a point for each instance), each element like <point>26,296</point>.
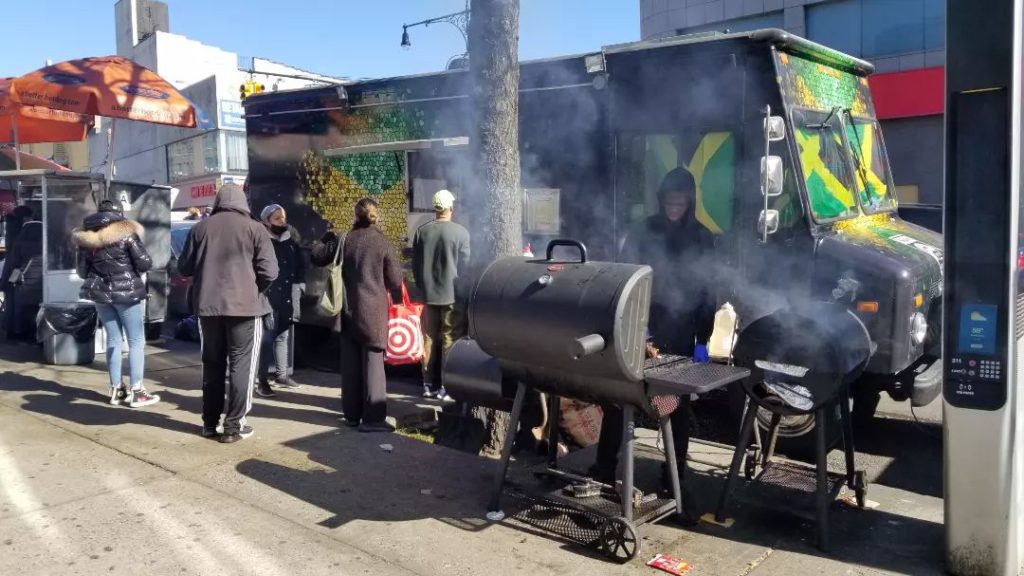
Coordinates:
<point>154,330</point>
<point>796,434</point>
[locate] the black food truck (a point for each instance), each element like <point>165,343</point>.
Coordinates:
<point>779,133</point>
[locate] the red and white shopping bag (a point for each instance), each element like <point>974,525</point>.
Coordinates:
<point>405,334</point>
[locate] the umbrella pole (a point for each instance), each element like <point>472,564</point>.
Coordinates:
<point>110,152</point>
<point>17,152</point>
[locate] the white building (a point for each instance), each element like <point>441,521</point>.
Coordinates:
<point>195,161</point>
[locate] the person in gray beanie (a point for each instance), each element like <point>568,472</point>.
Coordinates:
<point>231,258</point>
<point>283,294</point>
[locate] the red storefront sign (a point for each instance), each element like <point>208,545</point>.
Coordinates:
<point>909,94</point>
<point>204,190</point>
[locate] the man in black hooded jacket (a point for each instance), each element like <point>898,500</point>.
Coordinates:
<point>232,259</point>
<point>677,247</point>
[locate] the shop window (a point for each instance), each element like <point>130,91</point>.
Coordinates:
<point>236,153</point>
<point>192,157</point>
<point>891,28</point>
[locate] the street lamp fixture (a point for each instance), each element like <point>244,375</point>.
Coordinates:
<point>460,20</point>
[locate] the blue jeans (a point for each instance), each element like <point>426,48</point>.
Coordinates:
<point>127,317</point>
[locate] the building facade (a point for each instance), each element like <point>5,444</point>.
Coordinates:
<point>904,39</point>
<point>194,161</point>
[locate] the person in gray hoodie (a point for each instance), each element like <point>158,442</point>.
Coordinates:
<point>232,260</point>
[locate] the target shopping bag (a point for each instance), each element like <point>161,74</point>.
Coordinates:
<point>405,336</point>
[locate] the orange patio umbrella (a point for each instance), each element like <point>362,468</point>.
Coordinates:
<point>109,86</point>
<point>33,124</point>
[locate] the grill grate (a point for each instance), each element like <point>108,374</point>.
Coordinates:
<point>684,376</point>
<point>791,488</point>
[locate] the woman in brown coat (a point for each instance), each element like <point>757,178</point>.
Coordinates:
<point>370,271</point>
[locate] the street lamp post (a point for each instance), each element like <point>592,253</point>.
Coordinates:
<point>460,20</point>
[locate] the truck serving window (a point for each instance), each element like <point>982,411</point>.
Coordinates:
<point>871,168</point>
<point>826,169</point>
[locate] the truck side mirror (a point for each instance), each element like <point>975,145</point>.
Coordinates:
<point>768,222</point>
<point>772,177</point>
<point>775,128</point>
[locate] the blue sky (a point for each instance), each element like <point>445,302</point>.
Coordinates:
<point>357,38</point>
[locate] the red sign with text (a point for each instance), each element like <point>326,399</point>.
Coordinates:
<point>203,190</point>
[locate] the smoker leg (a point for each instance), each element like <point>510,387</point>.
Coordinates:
<point>670,455</point>
<point>626,459</point>
<point>848,447</point>
<point>554,413</point>
<point>506,449</point>
<point>820,419</point>
<point>746,430</point>
<point>773,438</point>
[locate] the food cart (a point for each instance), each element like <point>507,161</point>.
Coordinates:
<point>61,199</point>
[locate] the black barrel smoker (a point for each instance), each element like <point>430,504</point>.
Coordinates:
<point>577,329</point>
<point>803,362</point>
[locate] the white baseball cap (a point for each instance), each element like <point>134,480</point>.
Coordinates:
<point>444,200</point>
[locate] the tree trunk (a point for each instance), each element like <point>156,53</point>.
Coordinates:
<point>494,147</point>
<point>494,198</point>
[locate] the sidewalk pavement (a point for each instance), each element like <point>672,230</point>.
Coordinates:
<point>88,489</point>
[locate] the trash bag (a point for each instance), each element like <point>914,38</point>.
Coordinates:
<point>79,320</point>
<point>187,329</point>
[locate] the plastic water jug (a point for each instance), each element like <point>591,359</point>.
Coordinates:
<point>723,338</point>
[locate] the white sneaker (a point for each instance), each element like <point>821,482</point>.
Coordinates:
<point>428,392</point>
<point>139,398</point>
<point>443,396</point>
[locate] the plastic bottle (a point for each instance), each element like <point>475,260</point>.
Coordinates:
<point>723,337</point>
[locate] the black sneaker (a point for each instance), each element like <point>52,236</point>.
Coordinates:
<point>285,382</point>
<point>232,437</point>
<point>117,396</point>
<point>264,390</point>
<point>139,397</point>
<point>210,432</point>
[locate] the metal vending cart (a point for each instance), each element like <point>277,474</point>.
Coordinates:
<point>60,200</point>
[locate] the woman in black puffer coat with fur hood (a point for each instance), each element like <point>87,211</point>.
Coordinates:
<point>111,261</point>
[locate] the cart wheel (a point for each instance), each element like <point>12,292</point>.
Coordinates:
<point>860,487</point>
<point>619,540</point>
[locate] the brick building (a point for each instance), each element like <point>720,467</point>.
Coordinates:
<point>904,39</point>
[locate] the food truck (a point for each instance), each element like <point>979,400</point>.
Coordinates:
<point>779,133</point>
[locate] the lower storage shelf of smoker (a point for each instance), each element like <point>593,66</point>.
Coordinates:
<point>791,488</point>
<point>576,519</point>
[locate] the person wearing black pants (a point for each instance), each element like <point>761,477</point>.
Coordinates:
<point>370,271</point>
<point>230,350</point>
<point>232,260</point>
<point>677,248</point>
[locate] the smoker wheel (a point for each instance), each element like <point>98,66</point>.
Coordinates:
<point>860,487</point>
<point>619,540</point>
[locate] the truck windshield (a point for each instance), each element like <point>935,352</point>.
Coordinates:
<point>825,164</point>
<point>871,165</point>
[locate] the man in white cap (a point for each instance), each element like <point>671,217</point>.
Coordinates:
<point>440,252</point>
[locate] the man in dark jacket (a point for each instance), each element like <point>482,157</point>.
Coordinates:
<point>24,295</point>
<point>232,260</point>
<point>677,247</point>
<point>284,296</point>
<point>440,254</point>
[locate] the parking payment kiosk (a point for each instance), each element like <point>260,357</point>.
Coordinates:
<point>983,325</point>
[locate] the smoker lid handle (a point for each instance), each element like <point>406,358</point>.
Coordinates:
<point>587,345</point>
<point>570,243</point>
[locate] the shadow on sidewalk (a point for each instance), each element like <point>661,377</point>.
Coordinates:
<point>86,407</point>
<point>364,482</point>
